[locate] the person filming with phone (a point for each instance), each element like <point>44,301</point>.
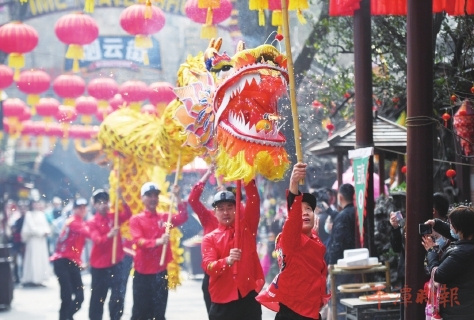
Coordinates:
<point>455,267</point>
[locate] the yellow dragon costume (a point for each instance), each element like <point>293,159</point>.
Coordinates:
<point>227,110</point>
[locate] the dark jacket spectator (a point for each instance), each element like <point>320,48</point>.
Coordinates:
<point>455,265</point>
<point>343,230</point>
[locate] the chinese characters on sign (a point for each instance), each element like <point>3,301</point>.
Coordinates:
<point>116,52</point>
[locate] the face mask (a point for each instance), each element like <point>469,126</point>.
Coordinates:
<point>453,234</point>
<point>440,242</point>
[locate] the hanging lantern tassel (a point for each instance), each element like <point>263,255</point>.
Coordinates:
<point>89,6</point>
<point>259,5</point>
<point>208,30</point>
<point>277,20</point>
<point>299,6</point>
<point>148,10</point>
<point>446,117</point>
<point>86,119</point>
<point>451,173</point>
<point>145,43</point>
<point>32,100</point>
<point>76,53</point>
<point>16,61</point>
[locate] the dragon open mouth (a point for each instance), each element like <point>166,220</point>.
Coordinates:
<point>246,102</point>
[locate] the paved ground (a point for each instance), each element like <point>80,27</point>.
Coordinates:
<point>185,303</point>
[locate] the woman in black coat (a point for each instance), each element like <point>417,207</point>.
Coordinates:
<point>456,265</point>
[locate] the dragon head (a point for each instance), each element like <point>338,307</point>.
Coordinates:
<point>246,97</point>
<point>233,111</point>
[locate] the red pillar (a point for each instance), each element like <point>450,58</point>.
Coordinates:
<point>419,145</point>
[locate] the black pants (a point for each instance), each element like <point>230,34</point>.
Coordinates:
<point>150,296</point>
<point>286,313</point>
<point>244,308</point>
<point>205,292</point>
<point>70,282</point>
<point>127,263</point>
<point>104,279</point>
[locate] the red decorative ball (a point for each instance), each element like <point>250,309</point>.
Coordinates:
<point>330,126</point>
<point>317,105</point>
<point>395,100</point>
<point>453,98</point>
<point>472,89</point>
<point>279,37</point>
<point>446,117</point>
<point>404,169</point>
<point>347,95</point>
<point>450,173</point>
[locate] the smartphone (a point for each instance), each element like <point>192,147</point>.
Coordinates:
<point>398,216</point>
<point>425,229</point>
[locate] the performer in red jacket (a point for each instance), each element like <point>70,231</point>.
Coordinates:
<point>67,260</point>
<point>233,296</point>
<point>299,291</point>
<point>148,229</point>
<point>208,221</point>
<point>106,274</point>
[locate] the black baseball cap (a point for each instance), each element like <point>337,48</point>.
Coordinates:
<point>310,199</point>
<point>223,196</point>
<point>80,202</point>
<point>100,195</point>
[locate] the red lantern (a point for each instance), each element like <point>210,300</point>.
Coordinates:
<point>446,117</point>
<point>54,131</point>
<point>277,17</point>
<point>47,108</point>
<point>117,102</point>
<point>133,22</point>
<point>26,130</point>
<point>102,113</point>
<point>161,94</point>
<point>6,78</point>
<point>102,89</point>
<point>209,13</point>
<point>17,38</point>
<point>450,173</point>
<point>66,114</point>
<point>464,125</point>
<point>404,169</point>
<point>87,107</point>
<point>330,128</point>
<point>33,82</point>
<point>13,108</point>
<point>317,105</point>
<point>453,98</point>
<point>26,115</point>
<point>76,29</point>
<point>134,92</point>
<point>69,87</point>
<point>149,109</point>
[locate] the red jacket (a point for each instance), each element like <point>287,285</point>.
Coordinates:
<point>71,240</point>
<point>216,247</point>
<point>100,226</point>
<point>206,217</point>
<point>301,283</point>
<point>145,228</point>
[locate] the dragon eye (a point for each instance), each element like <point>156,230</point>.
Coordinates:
<point>226,68</point>
<point>224,71</point>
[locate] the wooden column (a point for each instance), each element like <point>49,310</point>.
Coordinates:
<point>419,198</point>
<point>363,106</point>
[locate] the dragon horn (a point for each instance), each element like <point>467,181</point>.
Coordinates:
<point>240,46</point>
<point>214,46</point>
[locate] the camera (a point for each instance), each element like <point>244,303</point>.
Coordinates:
<point>425,229</point>
<point>400,219</point>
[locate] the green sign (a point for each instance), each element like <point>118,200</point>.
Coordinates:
<point>360,166</point>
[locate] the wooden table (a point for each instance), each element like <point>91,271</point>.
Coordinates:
<point>357,309</point>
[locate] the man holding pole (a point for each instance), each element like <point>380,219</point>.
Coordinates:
<point>233,290</point>
<point>106,257</point>
<point>149,232</point>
